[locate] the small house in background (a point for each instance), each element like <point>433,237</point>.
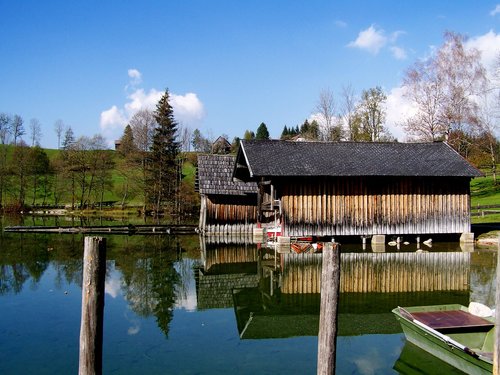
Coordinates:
<point>118,144</point>
<point>224,203</point>
<point>359,188</point>
<point>221,146</point>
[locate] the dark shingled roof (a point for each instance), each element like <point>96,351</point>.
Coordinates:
<point>215,176</point>
<point>285,158</point>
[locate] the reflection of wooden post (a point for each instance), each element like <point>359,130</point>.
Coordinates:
<point>91,329</point>
<point>496,350</point>
<point>330,285</point>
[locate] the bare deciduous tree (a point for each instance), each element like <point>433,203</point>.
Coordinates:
<point>348,111</point>
<point>89,165</point>
<point>442,89</point>
<point>372,113</point>
<point>59,129</point>
<point>143,125</point>
<point>325,108</point>
<point>185,137</point>
<point>4,128</point>
<point>488,127</point>
<point>17,128</point>
<point>35,132</point>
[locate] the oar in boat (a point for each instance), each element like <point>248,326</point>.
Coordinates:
<point>448,340</point>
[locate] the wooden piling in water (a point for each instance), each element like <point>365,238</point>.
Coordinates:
<point>330,283</point>
<point>496,349</point>
<point>91,328</point>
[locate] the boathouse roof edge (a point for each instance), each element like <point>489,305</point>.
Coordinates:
<point>277,158</point>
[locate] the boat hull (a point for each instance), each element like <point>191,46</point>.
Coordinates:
<point>434,344</point>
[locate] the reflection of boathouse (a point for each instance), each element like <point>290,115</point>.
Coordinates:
<point>226,206</point>
<point>371,284</point>
<point>225,267</point>
<point>364,188</point>
<point>280,297</point>
<point>380,272</point>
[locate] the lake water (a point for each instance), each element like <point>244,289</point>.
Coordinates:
<point>174,305</point>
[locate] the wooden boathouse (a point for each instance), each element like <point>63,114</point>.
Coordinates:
<point>226,206</point>
<point>359,188</point>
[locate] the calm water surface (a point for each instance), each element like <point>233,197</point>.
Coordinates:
<point>178,306</point>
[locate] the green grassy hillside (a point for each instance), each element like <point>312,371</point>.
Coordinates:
<point>485,192</point>
<point>114,191</point>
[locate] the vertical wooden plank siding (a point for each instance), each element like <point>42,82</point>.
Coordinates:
<point>380,272</point>
<point>223,213</point>
<point>230,254</point>
<point>369,205</point>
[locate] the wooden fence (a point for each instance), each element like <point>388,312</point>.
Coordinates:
<point>484,210</point>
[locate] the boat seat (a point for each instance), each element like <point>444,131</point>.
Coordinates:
<point>453,320</point>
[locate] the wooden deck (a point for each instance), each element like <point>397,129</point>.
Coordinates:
<point>107,229</point>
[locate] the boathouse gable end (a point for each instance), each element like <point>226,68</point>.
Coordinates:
<point>224,202</point>
<point>354,188</point>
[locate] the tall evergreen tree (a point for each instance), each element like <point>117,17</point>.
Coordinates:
<point>285,134</point>
<point>164,151</point>
<point>69,138</point>
<point>262,132</point>
<point>127,145</point>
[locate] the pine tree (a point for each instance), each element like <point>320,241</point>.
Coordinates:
<point>127,145</point>
<point>262,132</point>
<point>163,168</point>
<point>69,138</point>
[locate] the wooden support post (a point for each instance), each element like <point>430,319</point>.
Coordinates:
<point>91,328</point>
<point>330,286</point>
<point>496,349</point>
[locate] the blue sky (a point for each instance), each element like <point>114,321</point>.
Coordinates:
<point>229,65</point>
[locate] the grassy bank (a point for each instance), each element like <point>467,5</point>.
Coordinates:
<point>485,192</point>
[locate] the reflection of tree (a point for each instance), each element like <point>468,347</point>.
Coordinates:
<point>12,278</point>
<point>150,279</point>
<point>21,260</point>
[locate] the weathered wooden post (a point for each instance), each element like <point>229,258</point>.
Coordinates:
<point>91,328</point>
<point>496,350</point>
<point>330,285</point>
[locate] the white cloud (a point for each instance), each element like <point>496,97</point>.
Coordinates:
<point>370,39</point>
<point>395,35</point>
<point>134,330</point>
<point>398,53</point>
<point>135,75</point>
<point>139,99</point>
<point>370,363</point>
<point>112,118</point>
<point>341,24</point>
<point>188,108</point>
<point>495,11</point>
<point>112,286</point>
<point>398,108</point>
<point>489,46</point>
<point>373,40</point>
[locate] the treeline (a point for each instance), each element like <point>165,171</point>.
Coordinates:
<point>146,170</point>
